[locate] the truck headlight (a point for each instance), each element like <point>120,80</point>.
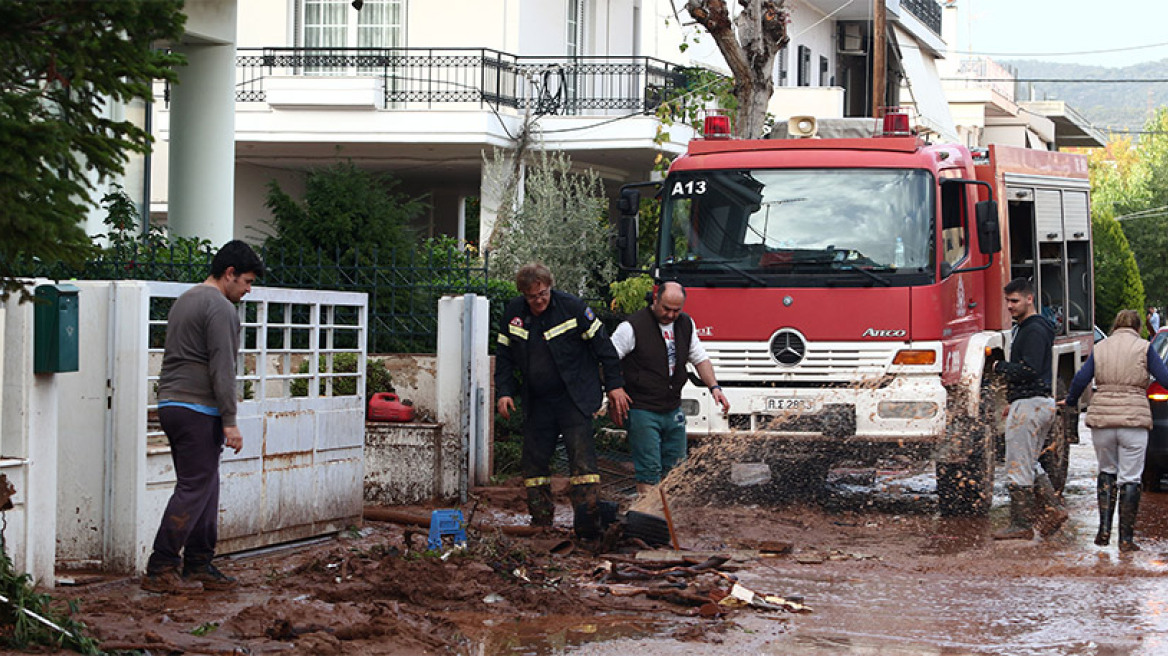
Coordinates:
<point>690,407</point>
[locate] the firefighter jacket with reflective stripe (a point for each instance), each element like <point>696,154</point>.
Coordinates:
<point>646,367</point>
<point>578,342</point>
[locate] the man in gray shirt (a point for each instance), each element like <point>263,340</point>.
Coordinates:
<point>196,407</point>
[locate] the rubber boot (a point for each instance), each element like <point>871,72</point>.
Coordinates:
<point>1129,507</point>
<point>1021,515</point>
<point>540,505</point>
<point>1106,490</point>
<point>586,506</point>
<point>1050,510</point>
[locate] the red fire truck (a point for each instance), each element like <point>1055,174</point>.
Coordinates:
<point>849,290</point>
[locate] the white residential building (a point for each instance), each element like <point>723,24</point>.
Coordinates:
<point>989,106</point>
<point>427,90</point>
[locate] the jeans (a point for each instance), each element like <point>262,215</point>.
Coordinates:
<point>657,440</point>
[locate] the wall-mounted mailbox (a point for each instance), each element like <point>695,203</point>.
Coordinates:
<point>56,347</point>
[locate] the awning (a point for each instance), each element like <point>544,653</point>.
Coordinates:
<point>1070,127</point>
<point>924,87</point>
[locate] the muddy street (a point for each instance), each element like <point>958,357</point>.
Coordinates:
<point>910,583</point>
<point>880,572</point>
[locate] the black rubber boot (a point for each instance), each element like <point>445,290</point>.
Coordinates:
<point>1050,510</point>
<point>540,505</point>
<point>1129,507</point>
<point>1021,515</point>
<point>1106,490</point>
<point>586,505</point>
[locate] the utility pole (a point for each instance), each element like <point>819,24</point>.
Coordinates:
<point>879,48</point>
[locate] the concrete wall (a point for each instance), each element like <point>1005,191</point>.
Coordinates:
<point>463,23</point>
<point>210,21</point>
<point>251,194</point>
<point>819,36</point>
<point>410,463</point>
<point>265,23</point>
<point>414,377</point>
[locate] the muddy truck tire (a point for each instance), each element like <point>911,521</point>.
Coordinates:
<point>1055,457</point>
<point>966,488</point>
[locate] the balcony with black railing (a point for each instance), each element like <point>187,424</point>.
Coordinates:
<point>425,78</point>
<point>927,11</point>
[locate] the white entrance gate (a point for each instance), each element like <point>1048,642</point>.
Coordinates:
<point>302,418</point>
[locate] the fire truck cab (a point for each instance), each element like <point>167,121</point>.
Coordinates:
<point>849,290</point>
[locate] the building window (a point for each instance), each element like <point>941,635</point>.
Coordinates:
<point>575,35</point>
<point>823,79</point>
<point>782,57</point>
<point>804,66</point>
<point>335,24</point>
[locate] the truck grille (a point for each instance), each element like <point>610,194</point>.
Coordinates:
<point>821,362</point>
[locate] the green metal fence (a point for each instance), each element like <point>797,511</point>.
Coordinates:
<point>403,287</point>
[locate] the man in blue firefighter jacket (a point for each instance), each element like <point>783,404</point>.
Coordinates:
<point>561,351</point>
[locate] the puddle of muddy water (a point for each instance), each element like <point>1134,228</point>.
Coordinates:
<point>543,636</point>
<point>859,646</point>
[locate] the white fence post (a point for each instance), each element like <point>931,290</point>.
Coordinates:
<point>29,443</point>
<point>463,384</point>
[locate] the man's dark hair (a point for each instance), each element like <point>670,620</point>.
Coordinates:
<point>238,254</point>
<point>1020,286</point>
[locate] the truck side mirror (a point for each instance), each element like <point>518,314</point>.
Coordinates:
<point>629,205</point>
<point>989,236</point>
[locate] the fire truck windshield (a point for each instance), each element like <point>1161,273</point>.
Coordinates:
<point>798,227</point>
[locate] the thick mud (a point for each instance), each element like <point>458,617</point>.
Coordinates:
<point>880,571</point>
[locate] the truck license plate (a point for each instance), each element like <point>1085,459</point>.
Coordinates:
<point>780,404</point>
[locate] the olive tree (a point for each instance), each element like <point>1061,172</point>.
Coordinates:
<point>561,223</point>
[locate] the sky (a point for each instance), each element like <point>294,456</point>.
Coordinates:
<point>1022,29</point>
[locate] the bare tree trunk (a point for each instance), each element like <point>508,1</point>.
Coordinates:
<point>749,43</point>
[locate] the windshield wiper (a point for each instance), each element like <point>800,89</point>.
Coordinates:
<point>878,278</point>
<point>739,270</point>
<point>725,264</point>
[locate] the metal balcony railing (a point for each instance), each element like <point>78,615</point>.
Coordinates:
<point>928,11</point>
<point>420,78</point>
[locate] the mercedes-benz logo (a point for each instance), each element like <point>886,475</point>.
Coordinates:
<point>788,348</point>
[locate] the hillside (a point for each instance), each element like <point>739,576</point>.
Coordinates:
<point>1109,106</point>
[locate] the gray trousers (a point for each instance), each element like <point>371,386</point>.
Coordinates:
<point>1121,451</point>
<point>1027,426</point>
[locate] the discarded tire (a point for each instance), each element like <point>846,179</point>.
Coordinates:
<point>650,529</point>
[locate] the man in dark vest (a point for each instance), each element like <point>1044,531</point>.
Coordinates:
<point>649,343</point>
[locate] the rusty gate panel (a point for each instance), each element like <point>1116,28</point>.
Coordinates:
<point>302,416</point>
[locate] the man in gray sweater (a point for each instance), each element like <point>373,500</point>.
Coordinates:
<point>196,407</point>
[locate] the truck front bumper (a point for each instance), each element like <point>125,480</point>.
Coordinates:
<point>902,410</point>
